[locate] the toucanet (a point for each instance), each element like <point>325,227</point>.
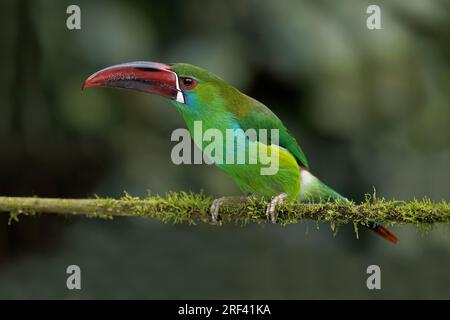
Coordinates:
<point>200,95</point>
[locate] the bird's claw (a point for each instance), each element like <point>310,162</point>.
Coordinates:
<point>214,209</point>
<point>270,211</point>
<point>215,206</point>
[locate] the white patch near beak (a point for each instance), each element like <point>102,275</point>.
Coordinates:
<point>180,96</point>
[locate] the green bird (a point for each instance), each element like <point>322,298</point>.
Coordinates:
<point>200,96</point>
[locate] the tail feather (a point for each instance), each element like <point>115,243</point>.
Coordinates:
<point>383,232</point>
<point>312,189</point>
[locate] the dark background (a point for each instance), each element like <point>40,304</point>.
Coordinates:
<point>369,108</point>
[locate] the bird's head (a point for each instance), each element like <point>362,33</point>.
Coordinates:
<point>187,86</point>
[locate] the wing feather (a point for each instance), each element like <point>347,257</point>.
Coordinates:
<point>256,115</point>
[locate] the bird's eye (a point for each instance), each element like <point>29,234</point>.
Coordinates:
<point>187,83</point>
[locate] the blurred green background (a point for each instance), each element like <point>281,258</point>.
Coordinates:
<point>370,109</point>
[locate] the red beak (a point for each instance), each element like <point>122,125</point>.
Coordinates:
<point>150,77</point>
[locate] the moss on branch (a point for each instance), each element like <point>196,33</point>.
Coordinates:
<point>193,208</point>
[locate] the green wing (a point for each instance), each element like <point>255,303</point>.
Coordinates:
<point>257,116</point>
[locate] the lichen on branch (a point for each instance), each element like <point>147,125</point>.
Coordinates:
<point>179,207</point>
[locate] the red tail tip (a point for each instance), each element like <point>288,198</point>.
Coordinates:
<point>386,234</point>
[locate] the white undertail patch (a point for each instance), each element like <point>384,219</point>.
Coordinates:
<point>305,178</point>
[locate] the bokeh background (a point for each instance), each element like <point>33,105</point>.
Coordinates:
<point>370,109</point>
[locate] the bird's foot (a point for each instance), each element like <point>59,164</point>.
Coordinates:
<point>215,206</point>
<point>214,210</point>
<point>270,212</point>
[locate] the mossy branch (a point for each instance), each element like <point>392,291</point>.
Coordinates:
<point>193,208</point>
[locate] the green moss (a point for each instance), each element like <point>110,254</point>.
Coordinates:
<point>14,215</point>
<point>191,208</point>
